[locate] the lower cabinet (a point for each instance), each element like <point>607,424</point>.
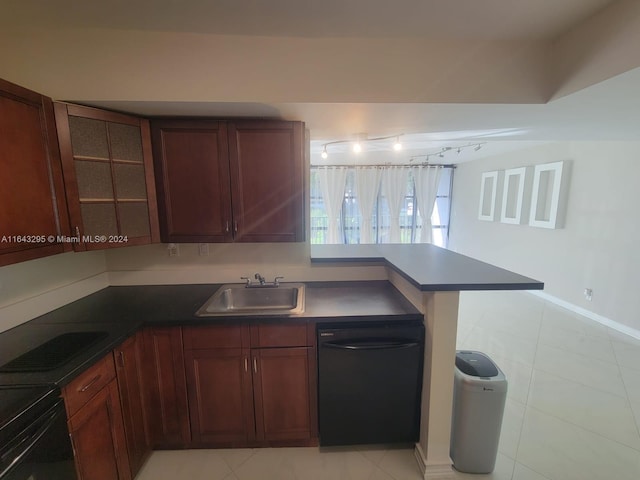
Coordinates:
<point>243,392</point>
<point>281,393</point>
<point>168,409</point>
<point>129,361</point>
<point>220,396</point>
<point>95,424</point>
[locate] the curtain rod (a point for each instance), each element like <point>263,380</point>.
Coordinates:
<point>390,165</point>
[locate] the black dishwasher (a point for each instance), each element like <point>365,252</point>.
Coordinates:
<point>370,382</point>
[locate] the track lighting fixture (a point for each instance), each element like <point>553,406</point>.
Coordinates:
<point>360,143</point>
<point>445,150</point>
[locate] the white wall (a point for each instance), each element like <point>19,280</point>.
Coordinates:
<point>226,262</point>
<point>32,288</point>
<point>598,246</point>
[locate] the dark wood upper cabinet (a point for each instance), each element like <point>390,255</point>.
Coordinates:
<point>192,175</point>
<point>267,181</point>
<point>223,181</point>
<point>32,201</point>
<point>108,174</point>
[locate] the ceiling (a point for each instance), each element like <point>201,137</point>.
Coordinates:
<point>478,19</point>
<point>606,110</point>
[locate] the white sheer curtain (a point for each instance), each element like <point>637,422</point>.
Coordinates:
<point>367,185</point>
<point>332,182</point>
<point>426,181</point>
<point>394,188</point>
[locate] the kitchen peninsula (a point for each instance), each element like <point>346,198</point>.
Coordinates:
<point>432,279</point>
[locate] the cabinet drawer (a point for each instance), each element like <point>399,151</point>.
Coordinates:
<point>85,386</point>
<point>216,336</point>
<point>279,335</point>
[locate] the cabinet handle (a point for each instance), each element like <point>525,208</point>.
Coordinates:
<point>246,364</point>
<point>121,355</point>
<point>255,364</point>
<point>91,382</point>
<point>77,232</point>
<point>226,227</point>
<point>235,226</point>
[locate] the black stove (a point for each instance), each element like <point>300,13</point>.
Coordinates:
<point>34,439</point>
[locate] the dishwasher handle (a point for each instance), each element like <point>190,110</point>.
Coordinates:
<point>369,345</point>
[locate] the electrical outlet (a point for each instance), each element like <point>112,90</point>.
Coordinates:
<point>203,249</point>
<point>588,294</point>
<point>174,250</point>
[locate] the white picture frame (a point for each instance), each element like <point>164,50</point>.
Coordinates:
<point>513,195</point>
<point>488,193</point>
<point>545,198</point>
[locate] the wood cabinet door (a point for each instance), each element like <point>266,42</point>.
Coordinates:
<point>167,407</point>
<point>282,393</point>
<point>33,212</point>
<point>128,360</point>
<point>192,174</point>
<point>267,180</point>
<point>220,396</point>
<point>108,173</point>
<point>98,438</point>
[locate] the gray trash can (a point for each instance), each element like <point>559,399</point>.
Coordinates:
<point>479,394</point>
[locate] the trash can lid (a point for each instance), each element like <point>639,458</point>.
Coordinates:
<point>475,364</point>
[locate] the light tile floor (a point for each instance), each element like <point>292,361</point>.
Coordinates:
<point>572,411</point>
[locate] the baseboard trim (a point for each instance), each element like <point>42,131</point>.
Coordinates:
<point>607,322</point>
<point>432,472</point>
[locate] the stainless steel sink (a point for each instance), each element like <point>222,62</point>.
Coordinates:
<point>237,299</point>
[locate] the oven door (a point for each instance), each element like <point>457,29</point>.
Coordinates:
<point>41,451</point>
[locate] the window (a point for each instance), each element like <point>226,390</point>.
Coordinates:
<point>410,221</point>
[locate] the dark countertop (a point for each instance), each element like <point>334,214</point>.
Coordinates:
<point>427,267</point>
<point>120,311</point>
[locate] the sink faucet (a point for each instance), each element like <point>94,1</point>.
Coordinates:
<point>260,278</point>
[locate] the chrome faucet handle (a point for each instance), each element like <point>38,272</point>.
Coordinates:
<point>276,280</point>
<point>248,280</point>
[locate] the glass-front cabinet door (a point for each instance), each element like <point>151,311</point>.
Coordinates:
<point>108,174</point>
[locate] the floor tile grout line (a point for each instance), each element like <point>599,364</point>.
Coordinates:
<point>233,470</point>
<point>533,470</point>
<point>601,390</point>
<point>582,356</point>
<point>544,306</point>
<point>581,427</point>
<point>580,383</point>
<point>624,385</point>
